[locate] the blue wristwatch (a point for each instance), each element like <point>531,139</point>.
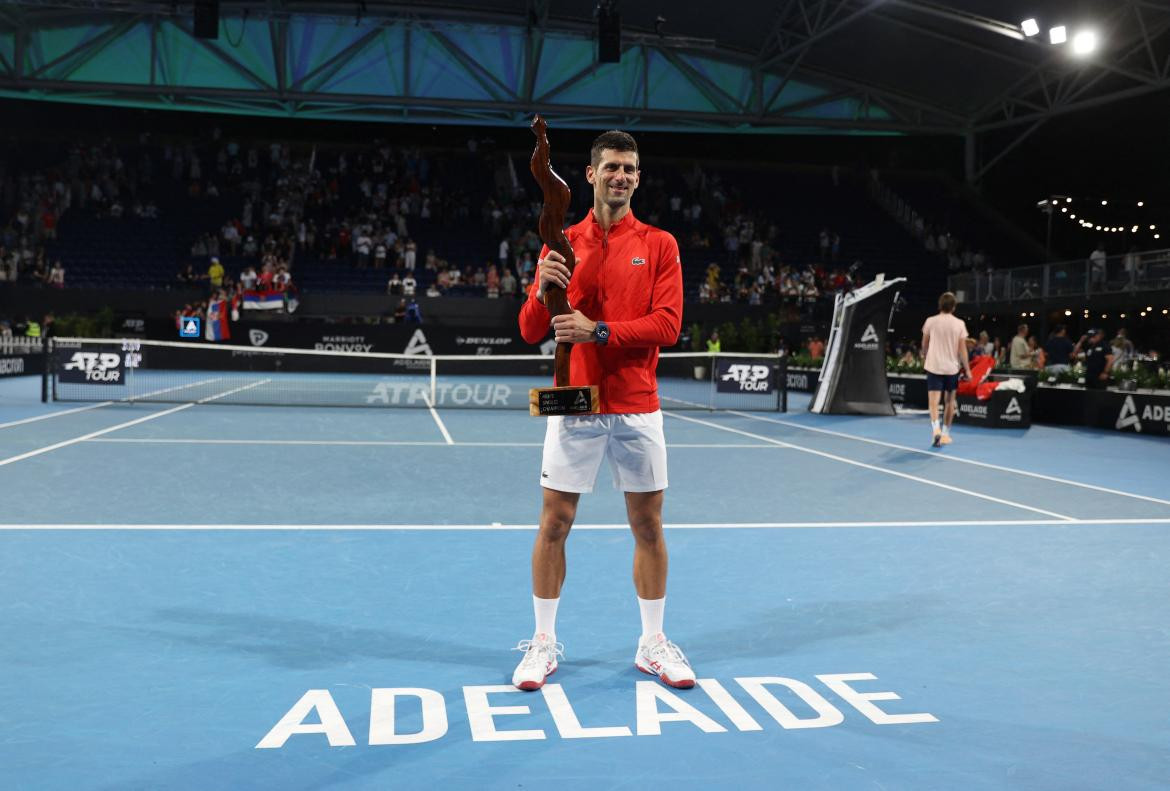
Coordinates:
<point>601,333</point>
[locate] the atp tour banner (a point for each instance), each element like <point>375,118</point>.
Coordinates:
<point>104,365</point>
<point>21,356</point>
<point>737,375</point>
<point>387,338</point>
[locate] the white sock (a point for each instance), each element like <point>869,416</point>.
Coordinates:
<point>546,615</point>
<point>946,430</point>
<point>652,613</point>
<point>934,425</point>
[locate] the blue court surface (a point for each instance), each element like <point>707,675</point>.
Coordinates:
<point>234,597</point>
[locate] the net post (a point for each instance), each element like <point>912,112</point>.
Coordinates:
<point>46,342</point>
<point>783,405</point>
<point>711,399</point>
<point>434,379</point>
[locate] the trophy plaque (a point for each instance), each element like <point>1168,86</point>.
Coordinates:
<point>563,399</point>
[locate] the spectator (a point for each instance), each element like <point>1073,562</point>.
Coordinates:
<point>56,278</point>
<point>713,344</point>
<point>508,283</point>
<point>1020,356</point>
<point>1058,350</point>
<point>410,255</point>
<point>409,284</point>
<point>1097,266</point>
<point>414,312</point>
<point>400,311</point>
<point>215,274</point>
<point>1036,355</point>
<point>816,348</point>
<point>248,278</point>
<point>394,284</point>
<point>1098,358</point>
<point>187,276</point>
<point>1121,344</point>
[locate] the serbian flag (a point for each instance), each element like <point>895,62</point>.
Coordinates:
<point>268,299</point>
<point>217,321</point>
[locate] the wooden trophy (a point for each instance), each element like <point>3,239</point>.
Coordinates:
<point>563,399</point>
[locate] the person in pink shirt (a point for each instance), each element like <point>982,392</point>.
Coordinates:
<point>944,354</point>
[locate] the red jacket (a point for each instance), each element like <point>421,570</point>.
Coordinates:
<point>630,278</point>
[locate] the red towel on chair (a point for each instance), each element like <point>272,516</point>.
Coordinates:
<point>980,369</point>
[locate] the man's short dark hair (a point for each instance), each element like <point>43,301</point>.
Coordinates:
<point>615,140</point>
<point>947,302</point>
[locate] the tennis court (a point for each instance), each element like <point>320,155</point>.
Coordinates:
<point>210,595</point>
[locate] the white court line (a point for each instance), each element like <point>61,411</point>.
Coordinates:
<point>103,403</point>
<point>92,434</point>
<point>233,391</point>
<point>948,457</point>
<point>127,424</point>
<point>54,414</point>
<point>495,526</point>
<point>856,463</point>
<point>390,442</point>
<point>438,421</point>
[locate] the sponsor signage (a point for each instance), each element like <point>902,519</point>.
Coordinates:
<point>1145,413</point>
<point>20,355</point>
<point>745,376</point>
<point>1005,409</point>
<point>104,365</point>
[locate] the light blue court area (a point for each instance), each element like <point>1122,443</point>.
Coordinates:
<point>209,596</point>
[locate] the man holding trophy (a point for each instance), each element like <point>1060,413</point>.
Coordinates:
<point>611,288</point>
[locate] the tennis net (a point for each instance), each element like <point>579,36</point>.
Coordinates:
<point>93,369</point>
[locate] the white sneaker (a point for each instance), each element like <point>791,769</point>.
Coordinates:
<point>539,662</point>
<point>660,657</point>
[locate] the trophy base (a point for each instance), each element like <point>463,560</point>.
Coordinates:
<point>545,401</point>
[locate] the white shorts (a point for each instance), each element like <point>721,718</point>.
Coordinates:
<point>634,445</point>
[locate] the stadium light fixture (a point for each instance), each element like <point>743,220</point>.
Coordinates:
<point>1068,312</point>
<point>1123,315</point>
<point>1068,200</point>
<point>1084,43</point>
<point>1104,203</point>
<point>1141,203</point>
<point>1058,35</point>
<point>1153,227</point>
<point>1030,27</point>
<point>1064,209</point>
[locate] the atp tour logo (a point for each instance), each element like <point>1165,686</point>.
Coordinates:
<point>869,340</point>
<point>751,377</point>
<point>100,368</point>
<point>257,337</point>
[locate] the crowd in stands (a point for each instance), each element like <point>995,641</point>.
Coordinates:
<point>360,208</point>
<point>932,234</point>
<point>93,177</point>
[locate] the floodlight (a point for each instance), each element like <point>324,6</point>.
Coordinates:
<point>1030,27</point>
<point>1084,43</point>
<point>1058,35</point>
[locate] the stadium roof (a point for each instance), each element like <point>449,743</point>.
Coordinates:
<point>755,66</point>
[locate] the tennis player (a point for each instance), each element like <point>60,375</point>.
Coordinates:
<point>944,354</point>
<point>626,293</point>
